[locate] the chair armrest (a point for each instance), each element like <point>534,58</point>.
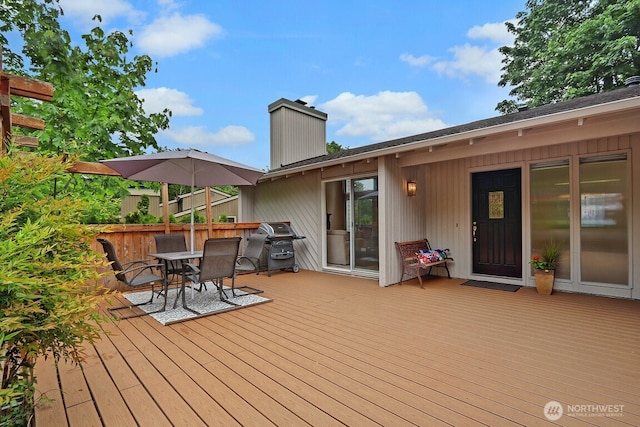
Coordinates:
<point>140,268</point>
<point>253,261</point>
<point>129,264</point>
<point>190,266</point>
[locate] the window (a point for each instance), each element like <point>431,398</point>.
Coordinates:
<point>604,233</point>
<point>550,211</point>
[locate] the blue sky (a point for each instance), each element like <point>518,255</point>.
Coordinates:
<point>380,69</point>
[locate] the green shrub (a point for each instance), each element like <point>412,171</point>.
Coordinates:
<point>141,215</point>
<point>48,278</point>
<point>198,218</point>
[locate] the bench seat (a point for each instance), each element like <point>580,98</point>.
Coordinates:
<point>411,266</point>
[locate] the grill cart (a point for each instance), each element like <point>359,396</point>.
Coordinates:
<point>280,254</point>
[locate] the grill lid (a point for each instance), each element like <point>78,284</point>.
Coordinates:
<point>278,230</point>
<point>275,229</point>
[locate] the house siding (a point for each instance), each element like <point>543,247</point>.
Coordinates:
<point>447,194</point>
<point>297,133</point>
<point>442,164</point>
<point>295,200</point>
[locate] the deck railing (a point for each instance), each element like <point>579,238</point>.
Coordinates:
<point>136,241</point>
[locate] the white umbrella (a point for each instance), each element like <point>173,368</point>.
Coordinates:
<point>185,167</point>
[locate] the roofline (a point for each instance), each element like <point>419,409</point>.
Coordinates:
<point>578,113</point>
<point>298,107</point>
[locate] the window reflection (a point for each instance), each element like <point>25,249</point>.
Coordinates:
<point>550,212</point>
<point>604,231</point>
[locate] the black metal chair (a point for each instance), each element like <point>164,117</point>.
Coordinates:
<point>133,274</point>
<point>172,243</point>
<point>218,262</point>
<point>249,261</point>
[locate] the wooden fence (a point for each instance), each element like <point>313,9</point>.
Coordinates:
<point>136,241</point>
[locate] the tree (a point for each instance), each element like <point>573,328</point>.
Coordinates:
<point>565,49</point>
<point>141,214</point>
<point>334,147</point>
<point>95,112</point>
<point>48,280</point>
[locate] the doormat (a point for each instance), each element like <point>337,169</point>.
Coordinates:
<point>206,303</point>
<point>492,285</point>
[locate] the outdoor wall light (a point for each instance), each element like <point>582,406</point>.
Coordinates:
<point>411,188</point>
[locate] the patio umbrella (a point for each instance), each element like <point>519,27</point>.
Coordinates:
<point>186,167</point>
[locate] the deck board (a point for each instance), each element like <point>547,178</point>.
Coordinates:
<point>111,406</point>
<point>51,411</point>
<point>338,350</point>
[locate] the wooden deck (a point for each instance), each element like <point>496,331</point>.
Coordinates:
<point>336,350</point>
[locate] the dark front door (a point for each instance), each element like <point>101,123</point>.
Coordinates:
<point>497,223</point>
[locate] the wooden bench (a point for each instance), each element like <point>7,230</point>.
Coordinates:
<point>411,266</point>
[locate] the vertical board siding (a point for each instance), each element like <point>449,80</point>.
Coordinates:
<point>402,218</point>
<point>295,136</point>
<point>446,219</point>
<point>447,214</point>
<point>297,200</point>
<point>440,211</point>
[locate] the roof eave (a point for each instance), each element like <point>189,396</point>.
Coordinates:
<point>528,123</point>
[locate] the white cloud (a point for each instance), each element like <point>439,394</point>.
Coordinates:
<point>419,61</point>
<point>199,136</point>
<point>469,60</point>
<point>156,100</point>
<point>177,33</point>
<point>495,31</point>
<point>309,99</point>
<point>383,116</point>
<point>83,10</point>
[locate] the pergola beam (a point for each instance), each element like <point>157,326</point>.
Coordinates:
<point>29,88</point>
<point>27,122</point>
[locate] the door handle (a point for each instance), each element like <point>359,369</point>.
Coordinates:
<point>474,229</point>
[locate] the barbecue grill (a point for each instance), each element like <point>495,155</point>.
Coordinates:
<point>279,251</point>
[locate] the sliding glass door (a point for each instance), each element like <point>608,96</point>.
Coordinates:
<point>365,223</point>
<point>352,224</point>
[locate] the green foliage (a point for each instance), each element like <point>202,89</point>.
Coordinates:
<point>334,147</point>
<point>95,113</point>
<point>567,49</point>
<point>48,281</point>
<point>101,209</point>
<point>197,218</point>
<point>141,215</point>
<point>229,189</point>
<point>549,259</point>
<point>223,217</point>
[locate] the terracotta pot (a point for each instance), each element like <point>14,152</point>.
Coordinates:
<point>544,281</point>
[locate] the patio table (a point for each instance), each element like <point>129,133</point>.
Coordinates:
<point>167,257</point>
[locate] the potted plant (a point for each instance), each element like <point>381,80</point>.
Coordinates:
<point>545,267</point>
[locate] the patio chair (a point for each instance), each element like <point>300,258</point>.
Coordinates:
<point>249,261</point>
<point>217,263</point>
<point>172,243</point>
<point>133,274</point>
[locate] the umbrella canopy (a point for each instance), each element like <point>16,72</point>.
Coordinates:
<point>186,167</point>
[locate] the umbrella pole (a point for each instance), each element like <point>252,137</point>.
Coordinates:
<point>209,219</point>
<point>165,206</point>
<point>193,178</point>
